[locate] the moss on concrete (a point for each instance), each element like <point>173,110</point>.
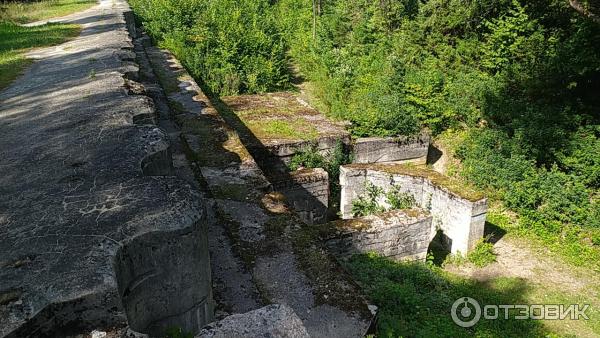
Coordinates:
<point>279,129</point>
<point>219,145</point>
<point>452,185</point>
<point>366,222</point>
<point>325,275</point>
<point>279,117</point>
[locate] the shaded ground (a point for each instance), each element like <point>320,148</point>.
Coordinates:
<point>549,281</point>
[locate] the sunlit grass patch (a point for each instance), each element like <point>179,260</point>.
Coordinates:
<point>415,300</point>
<point>15,40</point>
<point>298,129</point>
<point>24,12</point>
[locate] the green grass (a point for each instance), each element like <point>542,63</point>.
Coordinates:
<point>482,255</point>
<point>15,40</point>
<point>24,12</point>
<point>572,245</point>
<point>415,299</point>
<point>295,129</point>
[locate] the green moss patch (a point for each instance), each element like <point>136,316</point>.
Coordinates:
<point>453,185</point>
<point>278,117</point>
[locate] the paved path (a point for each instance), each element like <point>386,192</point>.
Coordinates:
<point>79,186</point>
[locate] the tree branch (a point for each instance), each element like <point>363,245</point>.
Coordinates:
<point>581,9</point>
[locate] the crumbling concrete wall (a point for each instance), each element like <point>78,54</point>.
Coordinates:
<point>284,150</point>
<point>307,191</point>
<point>397,234</point>
<point>260,226</point>
<point>391,149</point>
<point>460,217</point>
<point>164,281</point>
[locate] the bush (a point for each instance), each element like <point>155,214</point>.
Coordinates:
<point>232,46</point>
<point>375,197</point>
<point>307,157</point>
<point>483,254</point>
<point>368,203</point>
<point>399,200</point>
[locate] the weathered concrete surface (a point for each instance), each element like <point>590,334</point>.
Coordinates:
<point>253,116</point>
<point>277,321</point>
<point>85,234</point>
<point>261,229</point>
<point>397,234</point>
<point>457,211</point>
<point>391,149</point>
<point>307,191</point>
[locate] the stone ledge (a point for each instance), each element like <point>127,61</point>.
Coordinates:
<point>397,234</point>
<point>392,149</point>
<point>270,321</point>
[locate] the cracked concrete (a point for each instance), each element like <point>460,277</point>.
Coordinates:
<point>77,204</point>
<point>254,224</point>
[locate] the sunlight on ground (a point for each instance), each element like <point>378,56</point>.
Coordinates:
<point>24,12</point>
<point>16,40</point>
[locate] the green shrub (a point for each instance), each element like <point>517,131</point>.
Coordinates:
<point>307,157</point>
<point>232,46</point>
<point>398,199</point>
<point>371,202</point>
<point>368,203</point>
<point>482,254</point>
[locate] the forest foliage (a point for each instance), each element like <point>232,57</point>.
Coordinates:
<point>518,80</point>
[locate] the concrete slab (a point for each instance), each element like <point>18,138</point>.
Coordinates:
<point>77,205</point>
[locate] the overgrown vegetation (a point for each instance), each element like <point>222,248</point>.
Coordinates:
<point>310,157</point>
<point>15,40</point>
<point>233,46</point>
<point>375,199</point>
<point>518,79</point>
<point>482,255</point>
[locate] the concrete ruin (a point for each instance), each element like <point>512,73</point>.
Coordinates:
<point>115,233</point>
<point>270,321</point>
<point>307,191</point>
<point>262,244</point>
<point>456,210</point>
<point>392,149</point>
<point>94,232</point>
<point>396,234</point>
<point>276,126</point>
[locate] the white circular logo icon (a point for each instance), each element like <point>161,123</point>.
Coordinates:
<point>465,312</point>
